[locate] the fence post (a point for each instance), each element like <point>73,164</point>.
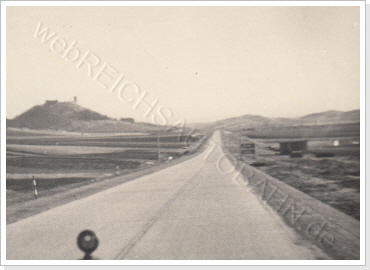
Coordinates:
<point>34,185</point>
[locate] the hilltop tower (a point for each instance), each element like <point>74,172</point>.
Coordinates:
<point>75,99</point>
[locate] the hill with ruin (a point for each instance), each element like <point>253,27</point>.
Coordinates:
<point>70,116</point>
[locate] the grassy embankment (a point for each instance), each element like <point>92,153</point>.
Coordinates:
<point>73,168</point>
<point>313,195</point>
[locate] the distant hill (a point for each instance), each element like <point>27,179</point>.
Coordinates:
<point>70,116</point>
<point>255,121</point>
<point>334,117</point>
<point>54,115</point>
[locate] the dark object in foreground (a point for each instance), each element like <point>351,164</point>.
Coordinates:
<point>87,242</point>
<point>258,164</point>
<point>324,154</point>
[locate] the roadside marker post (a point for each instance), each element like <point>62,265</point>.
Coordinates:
<point>117,170</point>
<point>35,187</point>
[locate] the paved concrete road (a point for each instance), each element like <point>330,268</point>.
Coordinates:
<point>193,210</point>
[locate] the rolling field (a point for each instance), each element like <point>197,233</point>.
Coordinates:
<point>306,131</point>
<point>19,149</point>
<point>21,190</point>
<point>56,160</point>
<point>348,146</point>
<point>98,144</point>
<point>334,180</point>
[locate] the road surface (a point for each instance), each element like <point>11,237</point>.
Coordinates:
<point>194,210</point>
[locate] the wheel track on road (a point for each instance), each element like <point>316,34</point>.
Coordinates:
<point>152,221</point>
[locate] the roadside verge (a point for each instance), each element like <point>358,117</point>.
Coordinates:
<point>20,211</point>
<point>333,231</point>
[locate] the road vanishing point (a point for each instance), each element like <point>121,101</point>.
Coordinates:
<point>194,210</point>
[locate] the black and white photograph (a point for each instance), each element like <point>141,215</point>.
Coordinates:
<point>183,133</point>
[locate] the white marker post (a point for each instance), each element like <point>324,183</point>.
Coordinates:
<point>117,170</point>
<point>34,185</point>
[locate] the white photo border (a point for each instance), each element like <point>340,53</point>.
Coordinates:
<point>5,4</point>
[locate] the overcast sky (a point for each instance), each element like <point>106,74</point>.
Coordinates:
<point>200,63</point>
